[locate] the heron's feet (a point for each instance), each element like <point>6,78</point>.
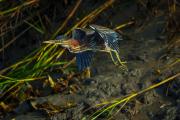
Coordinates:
<point>123,65</point>
<point>117,60</point>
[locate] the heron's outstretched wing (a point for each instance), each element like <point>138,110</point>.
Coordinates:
<point>110,37</point>
<point>111,40</point>
<point>84,59</point>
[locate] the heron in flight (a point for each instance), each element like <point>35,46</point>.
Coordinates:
<point>85,42</point>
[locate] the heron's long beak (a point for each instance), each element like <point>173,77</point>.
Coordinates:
<point>58,42</point>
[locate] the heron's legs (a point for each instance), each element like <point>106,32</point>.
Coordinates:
<point>110,52</point>
<point>122,63</point>
<point>86,73</point>
<point>118,57</point>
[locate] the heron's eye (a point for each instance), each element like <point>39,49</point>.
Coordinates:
<point>74,43</point>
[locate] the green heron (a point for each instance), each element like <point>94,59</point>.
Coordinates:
<point>86,41</point>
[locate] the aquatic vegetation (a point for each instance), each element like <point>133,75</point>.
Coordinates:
<point>30,69</point>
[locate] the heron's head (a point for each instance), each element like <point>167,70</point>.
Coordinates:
<point>71,44</point>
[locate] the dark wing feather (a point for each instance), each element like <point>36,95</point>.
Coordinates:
<point>110,37</point>
<point>84,59</point>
